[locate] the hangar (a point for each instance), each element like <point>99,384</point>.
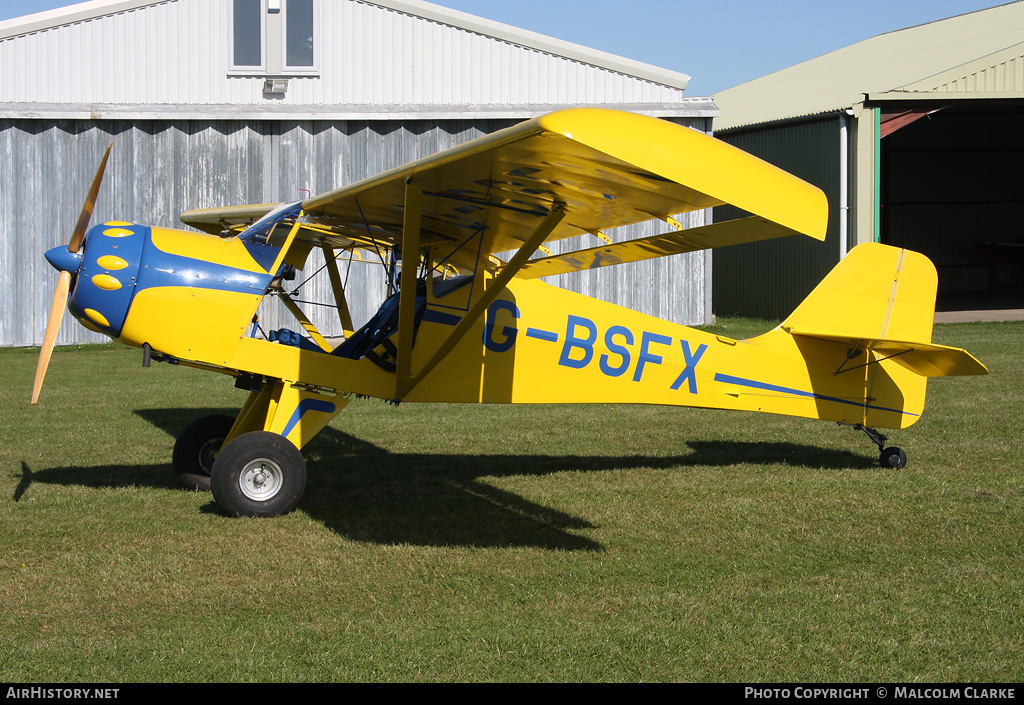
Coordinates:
<point>219,102</point>
<point>915,137</point>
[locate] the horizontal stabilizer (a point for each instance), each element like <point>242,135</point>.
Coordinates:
<point>730,232</point>
<point>926,359</point>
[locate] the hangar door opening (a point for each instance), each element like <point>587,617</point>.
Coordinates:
<point>950,188</point>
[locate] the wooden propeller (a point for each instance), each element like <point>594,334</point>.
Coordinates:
<point>82,225</point>
<point>60,299</point>
<point>60,294</point>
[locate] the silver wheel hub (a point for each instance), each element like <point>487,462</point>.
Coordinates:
<point>261,479</point>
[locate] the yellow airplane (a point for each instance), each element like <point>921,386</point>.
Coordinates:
<point>468,319</point>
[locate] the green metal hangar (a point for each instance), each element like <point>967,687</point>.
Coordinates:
<point>916,137</point>
<point>219,102</point>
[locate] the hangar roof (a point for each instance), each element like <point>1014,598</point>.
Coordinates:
<point>978,54</point>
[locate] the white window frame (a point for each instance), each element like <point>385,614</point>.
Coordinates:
<point>299,70</point>
<point>274,49</point>
<point>247,69</point>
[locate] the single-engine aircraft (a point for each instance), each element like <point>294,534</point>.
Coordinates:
<point>462,234</point>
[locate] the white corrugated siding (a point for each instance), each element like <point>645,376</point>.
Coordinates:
<point>177,53</point>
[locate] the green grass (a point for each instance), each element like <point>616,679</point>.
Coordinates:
<point>480,543</point>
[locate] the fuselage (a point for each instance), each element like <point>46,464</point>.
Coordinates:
<point>192,297</point>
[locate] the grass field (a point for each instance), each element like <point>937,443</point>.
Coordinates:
<point>553,543</point>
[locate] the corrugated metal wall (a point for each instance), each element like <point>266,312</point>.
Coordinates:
<point>768,279</point>
<point>161,168</point>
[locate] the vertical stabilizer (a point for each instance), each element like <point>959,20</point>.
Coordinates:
<point>877,292</point>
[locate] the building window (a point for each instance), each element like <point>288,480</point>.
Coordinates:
<point>273,37</point>
<point>247,29</point>
<point>298,33</point>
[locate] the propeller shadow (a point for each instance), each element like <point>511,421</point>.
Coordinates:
<point>368,494</point>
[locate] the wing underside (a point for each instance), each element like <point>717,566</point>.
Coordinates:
<point>599,168</point>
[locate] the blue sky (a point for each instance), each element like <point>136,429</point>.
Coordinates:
<point>720,44</point>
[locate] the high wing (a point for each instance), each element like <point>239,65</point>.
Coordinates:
<point>597,168</point>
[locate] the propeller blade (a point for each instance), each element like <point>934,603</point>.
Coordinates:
<point>90,201</point>
<point>60,300</point>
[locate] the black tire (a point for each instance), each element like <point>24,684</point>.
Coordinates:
<point>893,458</point>
<point>258,474</point>
<point>197,447</point>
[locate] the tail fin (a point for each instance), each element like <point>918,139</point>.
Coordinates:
<point>882,299</point>
<point>860,344</point>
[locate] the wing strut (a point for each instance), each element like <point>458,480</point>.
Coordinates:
<point>338,288</point>
<point>406,383</point>
<point>315,334</point>
<point>410,270</point>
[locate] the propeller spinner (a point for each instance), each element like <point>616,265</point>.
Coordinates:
<point>68,262</point>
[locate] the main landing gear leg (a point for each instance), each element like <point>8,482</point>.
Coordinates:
<point>253,463</point>
<point>892,457</point>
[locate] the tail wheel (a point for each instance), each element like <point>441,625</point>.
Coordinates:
<point>197,448</point>
<point>258,474</point>
<point>893,458</point>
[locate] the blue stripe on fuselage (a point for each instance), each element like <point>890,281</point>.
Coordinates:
<point>160,269</point>
<point>754,384</point>
<point>447,319</point>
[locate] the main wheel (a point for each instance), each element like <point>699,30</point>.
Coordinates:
<point>197,447</point>
<point>258,474</point>
<point>893,458</point>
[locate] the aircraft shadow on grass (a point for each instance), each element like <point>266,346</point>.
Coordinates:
<point>369,494</point>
